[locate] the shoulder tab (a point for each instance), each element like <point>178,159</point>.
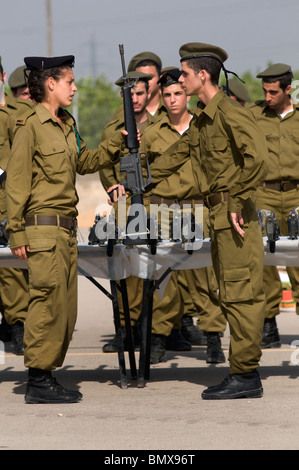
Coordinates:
<point>21,121</point>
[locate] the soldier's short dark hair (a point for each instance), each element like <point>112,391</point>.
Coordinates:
<point>284,80</point>
<point>211,65</point>
<point>148,62</point>
<point>37,79</point>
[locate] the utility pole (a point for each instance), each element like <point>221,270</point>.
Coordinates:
<point>49,28</point>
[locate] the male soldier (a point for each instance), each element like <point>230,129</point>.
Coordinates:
<point>149,63</point>
<point>111,176</point>
<point>229,159</point>
<point>180,188</point>
<point>278,117</point>
<point>13,282</point>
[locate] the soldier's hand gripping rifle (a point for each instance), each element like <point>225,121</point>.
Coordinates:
<point>131,165</point>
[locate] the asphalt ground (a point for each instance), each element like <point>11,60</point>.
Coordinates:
<point>168,413</point>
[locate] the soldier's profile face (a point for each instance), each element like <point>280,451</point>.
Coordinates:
<point>190,80</point>
<point>65,88</point>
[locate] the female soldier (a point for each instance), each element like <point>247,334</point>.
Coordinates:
<point>41,198</point>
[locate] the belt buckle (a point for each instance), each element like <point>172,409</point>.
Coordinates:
<point>282,183</point>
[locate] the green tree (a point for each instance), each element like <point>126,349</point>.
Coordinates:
<point>97,102</point>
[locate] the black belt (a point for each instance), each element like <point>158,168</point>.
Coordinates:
<point>214,199</point>
<point>281,185</point>
<point>64,222</point>
<point>162,200</point>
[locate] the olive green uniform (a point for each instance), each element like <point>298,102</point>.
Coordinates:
<point>13,282</point>
<point>229,160</point>
<point>40,188</point>
<point>283,145</point>
<point>180,296</point>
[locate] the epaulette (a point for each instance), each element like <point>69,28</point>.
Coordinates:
<point>21,121</point>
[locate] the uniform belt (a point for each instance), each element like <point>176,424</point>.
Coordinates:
<point>281,185</point>
<point>162,200</point>
<point>64,222</point>
<point>169,202</point>
<point>214,199</point>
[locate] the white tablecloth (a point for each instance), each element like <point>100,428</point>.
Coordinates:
<point>138,261</point>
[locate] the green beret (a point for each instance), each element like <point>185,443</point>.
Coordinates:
<point>193,50</point>
<point>143,56</point>
<point>17,78</point>
<point>134,76</point>
<point>238,89</point>
<point>275,70</point>
<point>35,63</point>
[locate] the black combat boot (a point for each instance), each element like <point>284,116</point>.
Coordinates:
<point>158,352</point>
<point>246,385</point>
<point>271,338</point>
<point>17,337</point>
<point>192,333</point>
<point>215,354</point>
<point>176,342</point>
<point>5,330</point>
<point>43,388</point>
<point>113,345</point>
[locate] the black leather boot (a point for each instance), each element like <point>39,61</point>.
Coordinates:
<point>236,386</point>
<point>113,345</point>
<point>17,337</point>
<point>271,338</point>
<point>192,333</point>
<point>215,354</point>
<point>158,352</point>
<point>176,342</point>
<point>43,388</point>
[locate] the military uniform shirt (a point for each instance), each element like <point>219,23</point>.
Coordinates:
<point>228,152</point>
<point>282,138</point>
<point>41,173</point>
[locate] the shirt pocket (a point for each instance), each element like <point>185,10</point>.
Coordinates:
<point>237,285</point>
<point>217,155</point>
<point>42,264</point>
<point>53,158</point>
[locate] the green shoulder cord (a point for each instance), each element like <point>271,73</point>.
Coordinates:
<point>78,141</point>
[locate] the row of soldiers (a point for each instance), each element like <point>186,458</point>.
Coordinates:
<point>163,116</point>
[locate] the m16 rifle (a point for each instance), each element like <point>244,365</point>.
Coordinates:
<point>272,230</point>
<point>131,165</point>
<point>293,224</point>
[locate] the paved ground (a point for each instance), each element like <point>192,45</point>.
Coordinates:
<point>168,413</point>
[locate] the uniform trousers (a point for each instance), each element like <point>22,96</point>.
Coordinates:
<point>280,202</point>
<point>238,265</point>
<point>52,311</point>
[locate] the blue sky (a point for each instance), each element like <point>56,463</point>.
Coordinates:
<point>253,32</point>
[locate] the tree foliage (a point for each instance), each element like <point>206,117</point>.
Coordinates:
<point>97,101</point>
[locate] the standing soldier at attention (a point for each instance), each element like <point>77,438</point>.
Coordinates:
<point>229,160</point>
<point>278,117</point>
<point>41,204</point>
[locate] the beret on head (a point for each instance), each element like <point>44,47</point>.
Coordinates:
<point>275,70</point>
<point>134,76</point>
<point>193,50</point>
<point>35,63</point>
<point>143,56</point>
<point>17,78</point>
<point>237,89</point>
<point>170,76</point>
